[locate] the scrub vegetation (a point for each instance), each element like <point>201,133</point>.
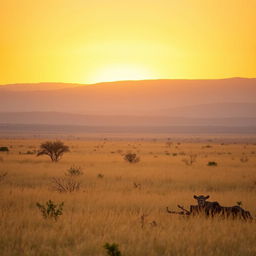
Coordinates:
<point>94,203</point>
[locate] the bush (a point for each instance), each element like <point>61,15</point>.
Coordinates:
<point>168,144</point>
<point>51,210</point>
<point>4,149</point>
<point>131,158</point>
<point>29,152</point>
<point>112,249</point>
<point>65,184</point>
<point>74,171</point>
<point>53,149</point>
<point>244,159</point>
<point>2,176</point>
<point>212,163</point>
<point>190,160</point>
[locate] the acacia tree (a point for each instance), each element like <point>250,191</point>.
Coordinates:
<point>53,149</point>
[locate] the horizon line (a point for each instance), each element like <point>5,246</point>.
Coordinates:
<point>129,80</point>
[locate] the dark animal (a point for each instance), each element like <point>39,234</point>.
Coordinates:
<point>206,207</point>
<point>214,208</point>
<point>235,212</point>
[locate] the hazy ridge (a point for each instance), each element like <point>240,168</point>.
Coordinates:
<point>58,118</point>
<point>128,97</point>
<point>220,102</point>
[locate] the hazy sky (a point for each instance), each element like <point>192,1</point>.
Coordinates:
<point>88,41</point>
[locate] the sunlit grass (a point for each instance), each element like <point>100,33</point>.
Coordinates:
<point>109,208</point>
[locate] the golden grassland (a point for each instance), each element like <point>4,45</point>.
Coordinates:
<point>109,209</point>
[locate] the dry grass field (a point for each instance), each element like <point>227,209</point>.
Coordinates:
<point>109,207</point>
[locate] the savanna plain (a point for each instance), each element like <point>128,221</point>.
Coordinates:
<point>125,203</point>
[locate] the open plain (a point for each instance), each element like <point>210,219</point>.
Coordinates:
<point>125,203</point>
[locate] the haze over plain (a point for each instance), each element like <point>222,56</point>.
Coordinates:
<point>220,102</point>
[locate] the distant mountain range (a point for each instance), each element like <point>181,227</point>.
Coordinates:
<point>219,102</point>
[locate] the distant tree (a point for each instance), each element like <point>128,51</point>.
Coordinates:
<point>53,149</point>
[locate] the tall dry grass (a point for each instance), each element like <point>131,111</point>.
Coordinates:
<point>109,208</point>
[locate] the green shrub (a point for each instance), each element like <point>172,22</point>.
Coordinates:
<point>51,210</point>
<point>212,163</point>
<point>74,171</point>
<point>112,249</point>
<point>4,149</point>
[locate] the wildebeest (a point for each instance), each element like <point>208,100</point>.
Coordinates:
<point>206,207</point>
<point>214,209</point>
<point>235,212</point>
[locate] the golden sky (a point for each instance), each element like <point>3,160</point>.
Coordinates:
<point>87,41</point>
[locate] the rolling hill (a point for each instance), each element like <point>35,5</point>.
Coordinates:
<point>128,97</point>
<point>153,103</point>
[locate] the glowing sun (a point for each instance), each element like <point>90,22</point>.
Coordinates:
<point>120,72</point>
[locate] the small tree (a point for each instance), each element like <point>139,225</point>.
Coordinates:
<point>53,149</point>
